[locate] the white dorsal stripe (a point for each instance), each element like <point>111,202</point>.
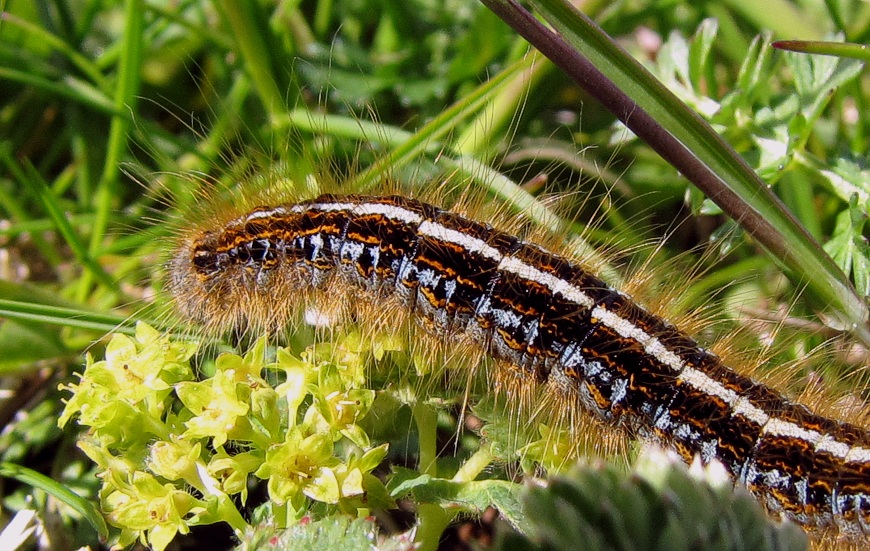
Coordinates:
<point>393,212</point>
<point>651,345</point>
<point>389,211</point>
<point>256,215</point>
<point>827,443</point>
<point>779,427</point>
<point>467,242</point>
<point>555,284</point>
<point>325,207</point>
<point>858,454</point>
<point>700,381</point>
<point>743,407</point>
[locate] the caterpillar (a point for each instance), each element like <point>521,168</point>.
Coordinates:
<point>551,320</point>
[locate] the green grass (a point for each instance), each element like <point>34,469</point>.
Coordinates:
<point>108,108</point>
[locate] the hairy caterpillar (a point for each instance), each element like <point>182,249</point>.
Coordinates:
<point>545,316</point>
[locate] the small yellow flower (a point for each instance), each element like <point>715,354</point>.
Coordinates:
<point>157,511</point>
<point>217,407</point>
<point>296,466</point>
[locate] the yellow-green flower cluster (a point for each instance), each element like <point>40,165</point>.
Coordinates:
<point>156,433</point>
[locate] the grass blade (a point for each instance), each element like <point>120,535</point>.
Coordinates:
<point>84,507</point>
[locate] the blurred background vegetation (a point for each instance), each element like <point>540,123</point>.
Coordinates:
<point>108,108</point>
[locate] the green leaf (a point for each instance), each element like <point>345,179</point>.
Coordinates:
<point>81,505</point>
<point>24,344</point>
<point>699,52</point>
<point>848,246</point>
<point>473,496</point>
<point>405,480</point>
